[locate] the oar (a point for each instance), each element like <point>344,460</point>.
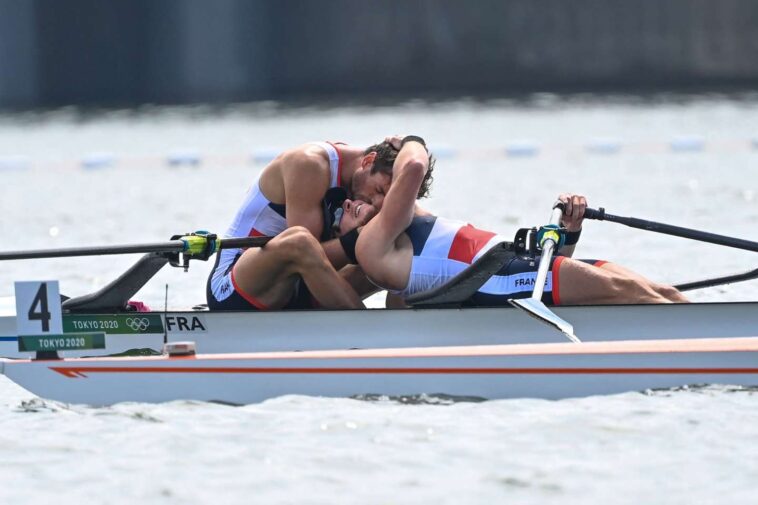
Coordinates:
<point>188,244</point>
<point>534,306</point>
<point>668,229</point>
<point>717,281</point>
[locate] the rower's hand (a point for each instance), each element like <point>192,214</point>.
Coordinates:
<point>574,213</point>
<point>395,140</point>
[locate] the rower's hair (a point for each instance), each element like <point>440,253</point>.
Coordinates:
<point>385,159</point>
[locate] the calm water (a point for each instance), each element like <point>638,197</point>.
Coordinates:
<point>689,446</point>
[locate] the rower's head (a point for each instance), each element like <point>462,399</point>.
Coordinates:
<point>371,182</point>
<point>352,214</point>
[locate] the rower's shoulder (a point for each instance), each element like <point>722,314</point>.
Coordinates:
<point>304,157</point>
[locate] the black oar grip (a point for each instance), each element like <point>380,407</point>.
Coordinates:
<point>594,214</point>
<point>244,242</point>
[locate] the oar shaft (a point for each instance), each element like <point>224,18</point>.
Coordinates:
<point>718,281</point>
<point>546,256</point>
<point>171,246</point>
<point>667,229</point>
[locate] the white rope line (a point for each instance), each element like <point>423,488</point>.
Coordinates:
<point>525,148</point>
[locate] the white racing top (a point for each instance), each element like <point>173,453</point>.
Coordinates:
<point>442,248</point>
<point>258,216</point>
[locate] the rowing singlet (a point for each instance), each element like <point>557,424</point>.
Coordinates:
<point>257,216</point>
<point>442,248</point>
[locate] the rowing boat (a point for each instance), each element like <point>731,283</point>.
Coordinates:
<point>226,332</point>
<point>437,346</point>
<point>552,371</point>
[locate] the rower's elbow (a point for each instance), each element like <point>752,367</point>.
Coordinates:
<point>415,168</point>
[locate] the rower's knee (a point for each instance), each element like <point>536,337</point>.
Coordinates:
<point>297,246</point>
<point>671,293</point>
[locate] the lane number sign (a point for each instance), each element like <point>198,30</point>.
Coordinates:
<point>38,308</point>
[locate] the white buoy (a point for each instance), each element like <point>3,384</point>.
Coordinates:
<point>522,148</point>
<point>601,145</point>
<point>687,143</point>
<point>98,160</point>
<point>183,157</point>
<point>14,163</point>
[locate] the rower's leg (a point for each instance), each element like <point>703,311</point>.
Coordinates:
<point>263,277</point>
<point>269,274</point>
<point>581,283</point>
<point>669,292</point>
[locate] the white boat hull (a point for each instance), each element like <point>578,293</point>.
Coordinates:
<point>551,371</point>
<point>221,332</point>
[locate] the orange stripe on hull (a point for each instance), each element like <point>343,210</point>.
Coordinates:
<point>75,372</point>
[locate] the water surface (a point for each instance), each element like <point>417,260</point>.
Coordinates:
<point>687,446</point>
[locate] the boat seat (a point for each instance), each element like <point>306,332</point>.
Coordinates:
<point>460,288</point>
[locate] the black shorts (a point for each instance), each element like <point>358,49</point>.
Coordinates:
<point>516,280</point>
<point>238,300</point>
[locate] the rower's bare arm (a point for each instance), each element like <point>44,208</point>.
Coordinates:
<point>399,206</point>
<point>306,179</point>
<point>573,216</point>
<point>377,248</point>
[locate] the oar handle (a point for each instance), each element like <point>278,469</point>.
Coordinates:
<point>668,229</point>
<point>601,215</point>
<point>594,214</point>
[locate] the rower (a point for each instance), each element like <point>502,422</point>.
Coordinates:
<point>286,202</point>
<point>407,254</point>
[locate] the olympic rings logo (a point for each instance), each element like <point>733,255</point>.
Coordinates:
<point>137,323</point>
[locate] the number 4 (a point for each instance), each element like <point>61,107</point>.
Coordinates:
<point>43,315</point>
<point>38,305</point>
